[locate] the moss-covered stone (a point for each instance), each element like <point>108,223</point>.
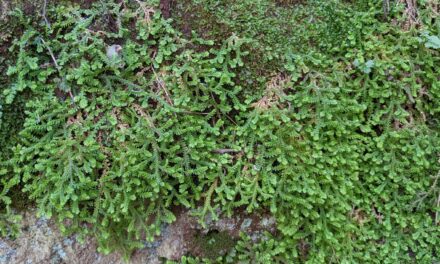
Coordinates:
<point>213,244</point>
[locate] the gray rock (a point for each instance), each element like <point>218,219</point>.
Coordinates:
<point>42,242</point>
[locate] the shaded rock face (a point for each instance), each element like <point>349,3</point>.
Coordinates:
<point>41,241</point>
<point>186,236</point>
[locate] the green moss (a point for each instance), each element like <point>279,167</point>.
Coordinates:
<point>331,112</point>
<point>214,244</point>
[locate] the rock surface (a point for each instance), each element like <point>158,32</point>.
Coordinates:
<point>42,242</point>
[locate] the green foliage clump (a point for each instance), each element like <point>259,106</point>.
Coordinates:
<point>116,143</point>
<point>214,244</point>
<point>325,113</point>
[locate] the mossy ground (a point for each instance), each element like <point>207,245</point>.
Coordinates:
<point>213,244</point>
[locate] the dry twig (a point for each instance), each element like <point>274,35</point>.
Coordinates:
<point>57,66</point>
<point>44,14</point>
<point>146,10</point>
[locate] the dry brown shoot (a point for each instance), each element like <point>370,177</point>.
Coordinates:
<point>161,86</point>
<point>411,14</point>
<point>147,11</point>
<point>273,93</point>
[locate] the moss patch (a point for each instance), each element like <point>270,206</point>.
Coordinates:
<point>212,245</point>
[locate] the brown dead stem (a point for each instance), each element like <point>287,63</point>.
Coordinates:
<point>147,11</point>
<point>75,120</point>
<point>435,7</point>
<point>116,112</point>
<point>162,86</point>
<point>359,216</point>
<point>273,93</point>
<point>411,14</point>
<point>145,115</point>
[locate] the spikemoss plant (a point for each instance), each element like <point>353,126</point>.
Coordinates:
<point>337,136</point>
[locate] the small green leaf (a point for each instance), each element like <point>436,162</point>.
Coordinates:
<point>433,42</point>
<point>83,103</point>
